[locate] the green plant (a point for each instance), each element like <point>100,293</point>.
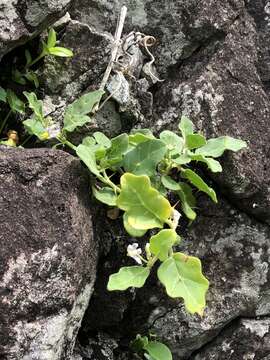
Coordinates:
<point>146,170</point>
<point>21,77</point>
<point>151,349</point>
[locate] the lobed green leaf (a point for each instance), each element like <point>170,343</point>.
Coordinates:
<point>105,195</point>
<point>194,141</point>
<point>88,157</point>
<point>161,243</point>
<point>145,207</point>
<point>186,126</point>
<point>182,277</point>
<point>76,113</point>
<point>216,147</point>
<point>158,351</point>
<point>130,276</point>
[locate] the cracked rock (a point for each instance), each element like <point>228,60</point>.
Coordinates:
<point>48,254</point>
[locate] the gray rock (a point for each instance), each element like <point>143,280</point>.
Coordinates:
<point>247,339</point>
<point>234,251</point>
<point>21,20</point>
<point>48,254</point>
<point>70,77</point>
<point>220,88</point>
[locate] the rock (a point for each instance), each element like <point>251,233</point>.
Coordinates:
<point>48,253</point>
<point>234,251</point>
<point>21,20</point>
<point>179,26</point>
<point>246,339</point>
<point>70,77</point>
<point>220,88</point>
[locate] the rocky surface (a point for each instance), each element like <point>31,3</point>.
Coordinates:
<point>20,20</point>
<point>48,254</point>
<point>214,59</point>
<point>244,339</point>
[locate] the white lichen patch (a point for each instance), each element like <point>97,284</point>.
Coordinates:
<point>50,337</point>
<point>259,328</point>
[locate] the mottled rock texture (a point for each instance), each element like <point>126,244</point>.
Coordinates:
<point>22,19</point>
<point>48,254</point>
<point>213,56</point>
<point>244,339</point>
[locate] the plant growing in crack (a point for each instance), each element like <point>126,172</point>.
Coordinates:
<point>8,96</point>
<point>136,173</point>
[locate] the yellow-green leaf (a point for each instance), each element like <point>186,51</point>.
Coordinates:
<point>182,277</point>
<point>130,276</point>
<point>130,230</point>
<point>161,243</point>
<point>145,207</point>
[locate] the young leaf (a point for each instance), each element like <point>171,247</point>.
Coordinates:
<point>198,182</point>
<point>145,207</point>
<point>143,159</point>
<point>14,102</point>
<point>76,113</point>
<point>105,195</point>
<point>60,51</point>
<point>182,276</point>
<point>130,230</point>
<point>173,142</point>
<point>35,127</point>
<point>161,243</point>
<point>194,141</point>
<point>186,126</point>
<point>182,159</point>
<point>102,139</point>
<point>88,157</point>
<point>187,200</point>
<point>51,38</point>
<point>89,141</point>
<point>130,276</point>
<point>3,94</point>
<point>158,351</point>
<point>35,104</point>
<point>169,183</point>
<point>119,146</point>
<point>212,164</point>
<point>139,137</point>
<point>216,147</point>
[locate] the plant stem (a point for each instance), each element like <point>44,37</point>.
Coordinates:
<point>36,60</point>
<point>110,183</point>
<point>66,142</point>
<point>5,121</point>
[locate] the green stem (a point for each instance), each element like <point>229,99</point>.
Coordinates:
<point>110,183</point>
<point>152,262</point>
<point>36,60</point>
<point>5,121</point>
<point>66,142</point>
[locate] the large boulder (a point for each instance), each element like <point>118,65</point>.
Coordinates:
<point>21,20</point>
<point>48,254</point>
